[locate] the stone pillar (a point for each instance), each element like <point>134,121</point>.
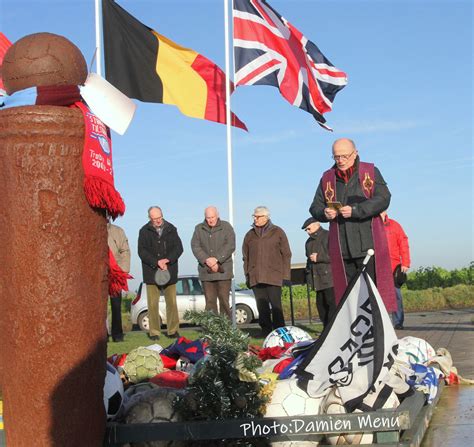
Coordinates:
<point>53,283</point>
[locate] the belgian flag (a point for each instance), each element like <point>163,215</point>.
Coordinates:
<point>150,67</point>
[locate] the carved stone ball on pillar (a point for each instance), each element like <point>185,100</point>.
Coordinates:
<point>43,59</point>
<point>54,258</point>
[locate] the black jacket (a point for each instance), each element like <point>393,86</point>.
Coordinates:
<point>355,233</point>
<point>152,248</point>
<point>320,271</point>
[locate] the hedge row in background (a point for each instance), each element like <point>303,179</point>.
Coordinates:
<point>428,288</point>
<point>428,277</point>
<point>436,298</point>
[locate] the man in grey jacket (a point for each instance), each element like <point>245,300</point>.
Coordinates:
<point>213,244</point>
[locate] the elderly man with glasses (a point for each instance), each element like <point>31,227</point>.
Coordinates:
<point>159,248</point>
<point>267,257</point>
<point>351,195</point>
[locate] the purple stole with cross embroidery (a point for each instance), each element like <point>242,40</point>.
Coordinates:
<point>383,272</point>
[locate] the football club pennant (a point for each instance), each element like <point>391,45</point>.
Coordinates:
<point>356,350</point>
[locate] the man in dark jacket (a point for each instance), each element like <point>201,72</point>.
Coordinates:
<point>350,196</point>
<point>159,248</point>
<point>319,268</point>
<point>213,244</point>
<point>267,259</point>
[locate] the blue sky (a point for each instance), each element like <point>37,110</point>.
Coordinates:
<point>408,106</point>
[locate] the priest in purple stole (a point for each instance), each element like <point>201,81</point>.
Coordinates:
<point>351,195</point>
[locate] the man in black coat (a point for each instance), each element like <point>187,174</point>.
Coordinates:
<point>351,195</point>
<point>159,248</point>
<point>318,267</point>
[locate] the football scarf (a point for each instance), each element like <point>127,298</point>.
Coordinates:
<point>99,186</point>
<point>97,163</point>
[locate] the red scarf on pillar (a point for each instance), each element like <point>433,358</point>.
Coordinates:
<point>383,273</point>
<point>97,163</point>
<point>97,156</point>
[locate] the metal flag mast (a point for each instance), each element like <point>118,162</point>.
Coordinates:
<point>98,46</point>
<point>229,141</point>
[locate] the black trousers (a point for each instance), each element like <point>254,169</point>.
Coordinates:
<point>270,311</point>
<point>326,305</point>
<point>352,265</point>
<point>116,309</point>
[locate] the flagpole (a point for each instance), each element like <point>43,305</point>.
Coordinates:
<point>370,253</point>
<point>98,46</point>
<point>229,141</point>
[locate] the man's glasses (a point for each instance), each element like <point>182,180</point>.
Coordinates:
<point>343,156</point>
<point>255,216</point>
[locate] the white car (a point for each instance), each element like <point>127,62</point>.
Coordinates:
<point>189,296</point>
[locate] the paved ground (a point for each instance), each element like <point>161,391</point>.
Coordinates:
<point>452,424</point>
<point>450,329</point>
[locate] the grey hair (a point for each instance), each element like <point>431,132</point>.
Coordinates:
<point>262,210</point>
<point>154,207</point>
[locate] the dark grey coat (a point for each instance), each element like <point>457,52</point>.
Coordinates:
<point>319,271</point>
<point>152,248</point>
<point>355,233</point>
<point>217,242</point>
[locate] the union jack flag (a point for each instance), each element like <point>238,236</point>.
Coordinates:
<point>271,51</point>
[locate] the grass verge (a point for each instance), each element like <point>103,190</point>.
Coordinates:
<point>133,339</point>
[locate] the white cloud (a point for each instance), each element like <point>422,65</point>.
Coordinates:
<point>263,140</point>
<point>377,126</point>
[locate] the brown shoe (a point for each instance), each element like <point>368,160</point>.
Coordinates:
<point>175,335</point>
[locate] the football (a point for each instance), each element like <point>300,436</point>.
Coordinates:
<point>156,406</point>
<point>289,400</point>
<point>139,388</point>
<point>134,394</point>
<point>142,364</point>
<point>332,404</point>
<point>113,392</point>
<point>414,350</point>
<point>287,334</point>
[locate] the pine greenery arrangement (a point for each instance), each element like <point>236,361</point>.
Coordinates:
<point>224,384</point>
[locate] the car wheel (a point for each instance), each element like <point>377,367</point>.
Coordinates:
<point>143,321</point>
<point>243,314</point>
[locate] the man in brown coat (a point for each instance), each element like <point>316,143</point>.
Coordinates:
<point>267,257</point>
